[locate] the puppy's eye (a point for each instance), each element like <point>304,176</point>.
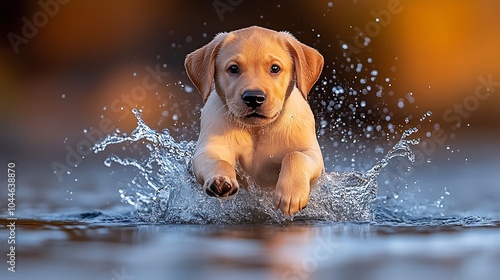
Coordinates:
<point>275,69</point>
<point>233,69</point>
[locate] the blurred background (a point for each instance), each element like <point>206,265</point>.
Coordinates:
<point>71,71</point>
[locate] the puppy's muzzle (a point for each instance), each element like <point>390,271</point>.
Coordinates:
<point>253,98</point>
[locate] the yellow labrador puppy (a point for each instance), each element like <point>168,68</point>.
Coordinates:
<point>254,82</point>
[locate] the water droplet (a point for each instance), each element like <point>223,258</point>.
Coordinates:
<point>401,103</point>
<point>367,41</point>
<point>359,67</point>
<point>323,123</point>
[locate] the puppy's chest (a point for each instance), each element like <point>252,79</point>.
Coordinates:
<point>261,159</point>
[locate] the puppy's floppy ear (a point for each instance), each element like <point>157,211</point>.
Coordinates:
<point>200,65</point>
<point>308,63</point>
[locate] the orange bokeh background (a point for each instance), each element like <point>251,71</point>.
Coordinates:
<point>89,51</point>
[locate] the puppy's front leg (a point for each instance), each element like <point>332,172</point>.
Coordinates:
<point>217,176</point>
<point>299,170</point>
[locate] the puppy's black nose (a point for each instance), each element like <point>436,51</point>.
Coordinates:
<point>253,98</point>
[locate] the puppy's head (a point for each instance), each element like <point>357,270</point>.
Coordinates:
<point>254,70</point>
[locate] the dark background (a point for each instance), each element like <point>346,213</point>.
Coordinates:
<point>85,58</point>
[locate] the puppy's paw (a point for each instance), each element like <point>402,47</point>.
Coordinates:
<point>291,200</point>
<point>221,186</point>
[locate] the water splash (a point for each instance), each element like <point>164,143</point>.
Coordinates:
<point>166,191</point>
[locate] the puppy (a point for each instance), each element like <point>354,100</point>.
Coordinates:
<point>254,83</point>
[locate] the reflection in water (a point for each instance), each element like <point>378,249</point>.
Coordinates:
<point>150,250</point>
<point>293,250</point>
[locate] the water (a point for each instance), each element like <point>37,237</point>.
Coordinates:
<point>165,191</point>
<point>350,230</point>
<point>167,228</point>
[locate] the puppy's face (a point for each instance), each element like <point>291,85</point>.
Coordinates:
<point>253,72</point>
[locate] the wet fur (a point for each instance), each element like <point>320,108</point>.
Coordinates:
<point>278,149</point>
